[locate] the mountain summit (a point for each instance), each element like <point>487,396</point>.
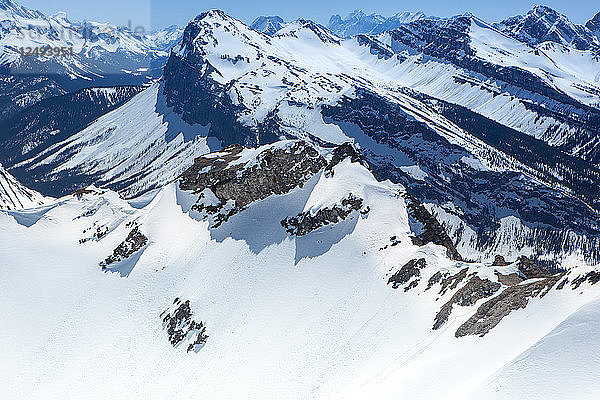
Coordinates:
<point>543,24</point>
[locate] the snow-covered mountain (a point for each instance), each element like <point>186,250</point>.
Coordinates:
<point>13,195</point>
<point>594,25</point>
<point>94,49</point>
<point>357,22</point>
<point>285,271</point>
<point>543,24</point>
<point>381,211</point>
<point>499,142</point>
<point>268,24</point>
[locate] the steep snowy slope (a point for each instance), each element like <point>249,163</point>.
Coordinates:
<point>13,195</point>
<point>283,272</point>
<point>137,147</point>
<point>567,351</point>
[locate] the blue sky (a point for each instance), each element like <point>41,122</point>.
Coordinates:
<point>161,13</point>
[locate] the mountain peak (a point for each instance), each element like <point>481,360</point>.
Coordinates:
<point>268,24</point>
<point>357,22</point>
<point>544,24</point>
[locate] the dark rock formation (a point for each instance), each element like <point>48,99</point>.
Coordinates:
<point>276,170</point>
<point>490,313</point>
<point>531,270</point>
<point>509,279</point>
<point>306,222</point>
<point>436,278</point>
<point>592,277</point>
<point>340,153</point>
<point>452,281</point>
<point>134,242</point>
<point>499,261</point>
<point>475,290</point>
<point>181,326</point>
<point>432,231</point>
<point>408,271</point>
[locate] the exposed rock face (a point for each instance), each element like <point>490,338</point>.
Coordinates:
<point>509,279</point>
<point>452,281</point>
<point>276,170</point>
<point>432,231</point>
<point>592,277</point>
<point>411,269</point>
<point>181,326</point>
<point>594,25</point>
<point>268,24</point>
<point>490,313</point>
<point>475,290</point>
<point>340,153</point>
<point>134,242</point>
<point>306,222</point>
<point>499,261</point>
<point>531,270</point>
<point>543,24</point>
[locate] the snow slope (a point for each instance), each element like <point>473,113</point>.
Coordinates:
<point>137,147</point>
<point>13,195</point>
<point>288,317</point>
<point>561,363</point>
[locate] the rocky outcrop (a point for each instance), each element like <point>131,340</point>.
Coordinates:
<point>307,222</point>
<point>543,24</point>
<point>490,313</point>
<point>134,242</point>
<point>452,281</point>
<point>411,269</point>
<point>180,326</point>
<point>276,170</point>
<point>432,231</point>
<point>499,261</point>
<point>531,270</point>
<point>475,290</point>
<point>340,153</point>
<point>591,277</point>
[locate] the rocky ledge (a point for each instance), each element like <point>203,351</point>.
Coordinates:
<point>307,222</point>
<point>226,185</point>
<point>134,242</point>
<point>490,313</point>
<point>180,326</point>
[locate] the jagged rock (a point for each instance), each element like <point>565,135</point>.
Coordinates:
<point>531,270</point>
<point>435,278</point>
<point>180,326</point>
<point>342,152</point>
<point>407,272</point>
<point>490,313</point>
<point>509,279</point>
<point>592,277</point>
<point>475,290</point>
<point>499,261</point>
<point>452,281</point>
<point>306,222</point>
<point>134,242</point>
<point>276,170</point>
<point>432,231</point>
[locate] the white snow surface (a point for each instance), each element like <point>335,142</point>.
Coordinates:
<point>307,317</point>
